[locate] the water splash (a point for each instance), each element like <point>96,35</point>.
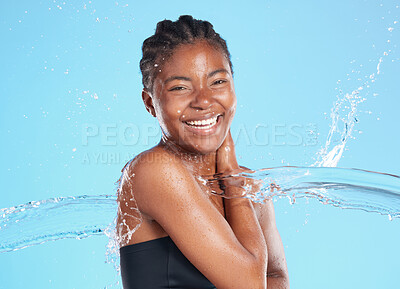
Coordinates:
<point>79,217</point>
<point>344,116</point>
<point>345,112</point>
<point>54,219</point>
<point>343,188</point>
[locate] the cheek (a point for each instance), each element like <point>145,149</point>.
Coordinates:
<point>173,110</point>
<point>230,109</point>
<point>169,112</point>
<point>230,104</point>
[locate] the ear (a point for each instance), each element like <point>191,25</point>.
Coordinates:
<point>148,102</point>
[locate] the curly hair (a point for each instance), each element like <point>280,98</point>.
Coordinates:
<point>169,35</point>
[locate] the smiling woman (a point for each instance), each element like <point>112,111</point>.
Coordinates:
<point>187,237</point>
<point>193,98</point>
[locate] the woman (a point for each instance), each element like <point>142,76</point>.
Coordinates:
<point>184,236</point>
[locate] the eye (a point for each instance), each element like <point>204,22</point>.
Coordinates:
<point>177,88</point>
<point>219,81</point>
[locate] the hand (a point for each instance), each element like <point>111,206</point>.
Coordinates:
<point>227,166</point>
<point>233,186</point>
<point>226,157</point>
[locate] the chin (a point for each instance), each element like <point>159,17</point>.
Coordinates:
<point>206,148</point>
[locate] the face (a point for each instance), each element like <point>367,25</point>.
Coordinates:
<point>194,98</point>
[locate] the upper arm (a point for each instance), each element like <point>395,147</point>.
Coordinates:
<point>276,255</point>
<point>166,191</point>
<point>129,217</point>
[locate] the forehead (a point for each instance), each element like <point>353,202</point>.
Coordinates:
<point>193,59</point>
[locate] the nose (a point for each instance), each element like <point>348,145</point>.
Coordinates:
<point>202,99</point>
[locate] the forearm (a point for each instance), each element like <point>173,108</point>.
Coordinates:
<point>240,214</point>
<point>243,221</point>
<point>242,218</point>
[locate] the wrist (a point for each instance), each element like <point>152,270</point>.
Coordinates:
<point>228,168</point>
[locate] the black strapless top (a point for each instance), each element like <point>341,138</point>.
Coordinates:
<point>159,264</point>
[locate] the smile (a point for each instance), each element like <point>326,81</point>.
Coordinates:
<point>203,124</point>
<point>204,127</point>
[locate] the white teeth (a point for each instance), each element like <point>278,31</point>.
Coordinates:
<point>205,123</point>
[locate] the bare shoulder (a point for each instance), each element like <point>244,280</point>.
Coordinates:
<point>156,158</point>
<point>138,195</point>
<point>158,175</point>
<point>148,165</point>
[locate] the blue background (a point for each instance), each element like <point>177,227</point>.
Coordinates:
<point>70,68</point>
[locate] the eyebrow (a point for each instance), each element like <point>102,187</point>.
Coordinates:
<point>169,79</point>
<point>211,74</point>
<point>221,70</point>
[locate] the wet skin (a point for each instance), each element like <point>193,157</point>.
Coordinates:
<point>193,85</point>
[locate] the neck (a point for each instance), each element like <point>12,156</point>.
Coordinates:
<point>199,164</point>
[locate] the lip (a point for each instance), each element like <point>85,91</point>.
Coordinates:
<point>202,131</point>
<point>204,116</point>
